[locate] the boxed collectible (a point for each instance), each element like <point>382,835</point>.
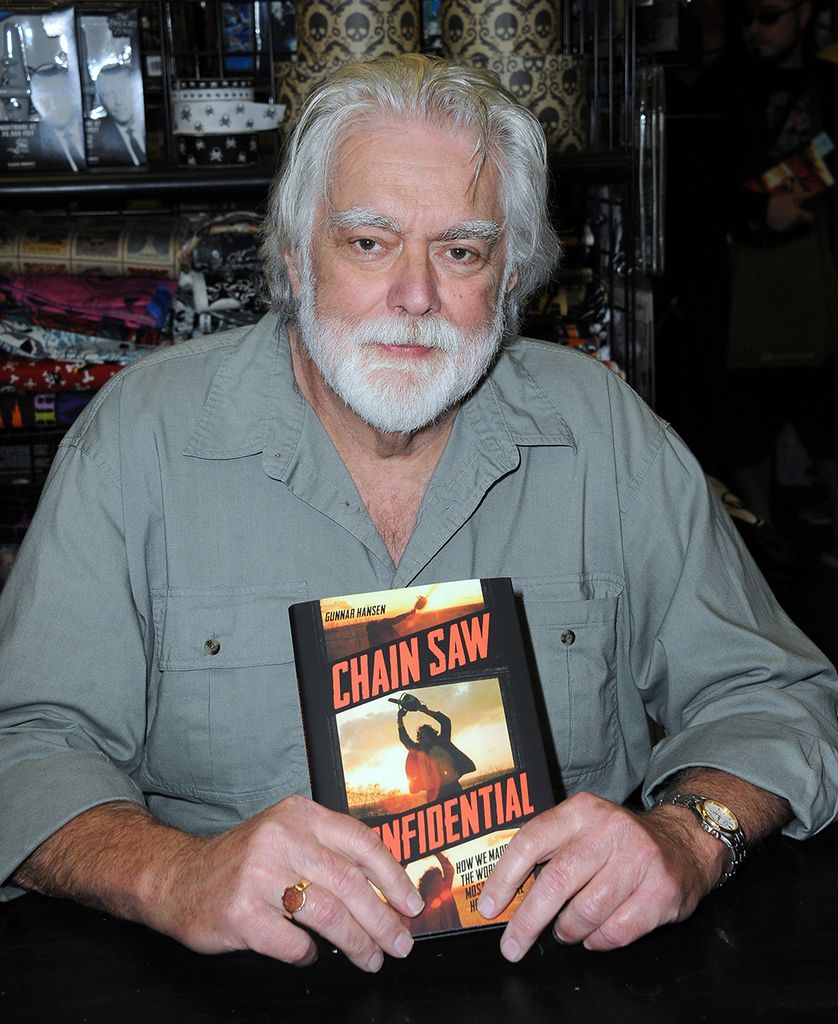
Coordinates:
<point>112,87</point>
<point>40,93</point>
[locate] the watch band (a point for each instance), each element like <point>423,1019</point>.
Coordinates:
<point>709,812</point>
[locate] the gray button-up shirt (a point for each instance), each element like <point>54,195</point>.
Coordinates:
<point>146,652</point>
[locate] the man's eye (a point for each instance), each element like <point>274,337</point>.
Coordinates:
<point>365,244</point>
<point>459,254</point>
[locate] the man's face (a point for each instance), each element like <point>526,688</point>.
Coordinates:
<point>116,94</point>
<point>53,98</point>
<point>402,308</point>
<point>778,42</point>
<point>426,735</point>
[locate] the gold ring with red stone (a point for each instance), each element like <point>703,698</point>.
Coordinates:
<point>294,897</point>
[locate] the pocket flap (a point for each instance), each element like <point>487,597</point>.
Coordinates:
<point>225,627</point>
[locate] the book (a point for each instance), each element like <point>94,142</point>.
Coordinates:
<point>802,171</point>
<point>420,720</point>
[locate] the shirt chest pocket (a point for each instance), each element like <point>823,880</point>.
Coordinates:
<point>224,714</point>
<point>574,646</point>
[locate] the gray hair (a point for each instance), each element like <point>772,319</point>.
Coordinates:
<point>442,93</point>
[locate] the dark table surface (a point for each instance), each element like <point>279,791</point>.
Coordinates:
<point>764,948</point>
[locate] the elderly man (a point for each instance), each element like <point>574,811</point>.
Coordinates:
<point>384,428</point>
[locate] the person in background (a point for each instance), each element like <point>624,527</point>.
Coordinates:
<point>783,330</point>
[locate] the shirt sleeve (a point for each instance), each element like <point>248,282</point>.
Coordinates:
<point>72,660</point>
<point>733,682</point>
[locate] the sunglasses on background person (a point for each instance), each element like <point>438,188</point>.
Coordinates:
<point>768,17</point>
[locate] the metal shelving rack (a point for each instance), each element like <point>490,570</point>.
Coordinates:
<point>604,185</point>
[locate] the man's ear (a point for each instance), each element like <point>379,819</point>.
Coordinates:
<point>513,280</point>
<point>293,271</point>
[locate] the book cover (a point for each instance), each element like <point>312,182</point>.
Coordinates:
<point>420,720</point>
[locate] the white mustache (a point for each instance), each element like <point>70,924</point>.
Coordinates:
<point>428,332</point>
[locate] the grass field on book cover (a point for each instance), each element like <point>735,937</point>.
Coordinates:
<point>420,721</point>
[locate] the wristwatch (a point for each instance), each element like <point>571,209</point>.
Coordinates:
<point>720,821</point>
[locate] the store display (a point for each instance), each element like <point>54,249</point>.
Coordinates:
<point>135,303</point>
<point>41,127</point>
<point>216,122</point>
<point>22,338</point>
<point>211,265</point>
<point>207,302</point>
<point>227,244</point>
<point>119,246</point>
<point>17,373</point>
<point>221,107</point>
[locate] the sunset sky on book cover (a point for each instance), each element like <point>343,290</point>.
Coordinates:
<point>447,790</point>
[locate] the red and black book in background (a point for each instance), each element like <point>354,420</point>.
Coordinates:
<point>420,720</point>
<point>802,172</point>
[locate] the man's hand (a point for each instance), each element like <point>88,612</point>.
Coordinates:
<point>784,211</point>
<point>230,894</point>
<point>225,892</point>
<point>609,875</point>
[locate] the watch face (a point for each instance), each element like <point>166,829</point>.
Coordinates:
<point>720,816</point>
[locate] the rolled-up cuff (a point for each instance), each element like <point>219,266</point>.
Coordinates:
<point>40,796</point>
<point>786,762</point>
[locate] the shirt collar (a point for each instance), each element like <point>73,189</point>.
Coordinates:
<point>513,403</point>
<point>253,381</point>
<point>254,404</point>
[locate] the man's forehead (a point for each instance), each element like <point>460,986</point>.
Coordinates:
<point>406,171</point>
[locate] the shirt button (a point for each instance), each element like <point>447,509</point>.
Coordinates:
<point>212,646</point>
<point>567,638</point>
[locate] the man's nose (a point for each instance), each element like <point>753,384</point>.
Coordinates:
<point>413,285</point>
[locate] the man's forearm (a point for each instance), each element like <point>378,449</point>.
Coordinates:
<point>760,813</point>
<point>225,892</point>
<point>115,857</point>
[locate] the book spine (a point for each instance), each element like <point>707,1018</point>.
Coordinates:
<point>318,717</point>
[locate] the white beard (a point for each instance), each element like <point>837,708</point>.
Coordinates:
<point>392,392</point>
